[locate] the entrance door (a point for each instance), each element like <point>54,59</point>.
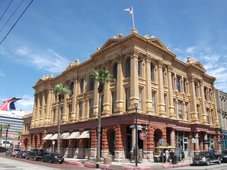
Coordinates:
<point>185,146</point>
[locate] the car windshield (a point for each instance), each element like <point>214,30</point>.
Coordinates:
<point>203,154</point>
<point>224,152</point>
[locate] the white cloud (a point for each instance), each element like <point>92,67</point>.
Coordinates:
<point>25,104</point>
<point>50,61</point>
<point>213,62</point>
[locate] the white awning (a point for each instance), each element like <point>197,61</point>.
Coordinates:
<point>65,135</point>
<point>74,135</point>
<point>54,137</point>
<point>47,137</point>
<point>85,134</point>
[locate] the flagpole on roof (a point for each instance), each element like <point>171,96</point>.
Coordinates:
<point>133,23</point>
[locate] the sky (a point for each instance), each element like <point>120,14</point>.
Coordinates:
<point>53,33</point>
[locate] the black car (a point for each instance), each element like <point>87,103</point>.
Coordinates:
<point>224,155</point>
<point>2,149</point>
<point>30,155</point>
<point>34,154</point>
<point>39,155</point>
<point>207,157</point>
<point>52,158</point>
<point>22,154</point>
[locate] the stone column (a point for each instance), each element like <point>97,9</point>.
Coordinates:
<point>173,138</point>
<point>120,89</point>
<point>193,107</point>
<point>205,139</point>
<point>48,107</point>
<point>203,108</point>
<point>96,99</point>
<point>107,96</point>
<point>148,89</point>
<point>134,89</point>
<point>64,114</point>
<point>196,142</point>
<point>171,106</point>
<point>75,92</point>
<point>161,90</point>
<point>42,115</point>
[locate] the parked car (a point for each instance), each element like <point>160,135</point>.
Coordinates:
<point>14,153</point>
<point>34,154</point>
<point>30,155</point>
<point>207,157</point>
<point>52,158</point>
<point>2,149</point>
<point>9,152</point>
<point>224,155</point>
<point>21,154</point>
<point>39,155</point>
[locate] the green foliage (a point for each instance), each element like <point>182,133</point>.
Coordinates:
<point>61,89</point>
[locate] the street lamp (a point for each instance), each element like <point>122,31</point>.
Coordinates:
<point>136,147</point>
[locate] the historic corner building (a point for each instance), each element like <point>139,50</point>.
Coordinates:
<point>221,98</point>
<point>176,103</point>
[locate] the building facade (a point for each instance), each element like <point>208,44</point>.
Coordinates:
<point>176,103</point>
<point>221,98</point>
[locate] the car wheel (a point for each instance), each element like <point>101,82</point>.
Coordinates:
<point>208,162</point>
<point>219,160</point>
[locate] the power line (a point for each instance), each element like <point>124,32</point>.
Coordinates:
<point>16,21</point>
<point>12,15</point>
<point>6,9</point>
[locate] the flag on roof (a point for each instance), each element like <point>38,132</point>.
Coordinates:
<point>130,10</point>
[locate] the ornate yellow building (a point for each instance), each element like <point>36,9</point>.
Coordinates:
<point>176,103</point>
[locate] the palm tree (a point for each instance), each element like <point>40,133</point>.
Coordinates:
<point>60,90</point>
<point>102,76</point>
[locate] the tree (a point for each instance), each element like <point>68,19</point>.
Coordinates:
<point>60,90</point>
<point>102,76</point>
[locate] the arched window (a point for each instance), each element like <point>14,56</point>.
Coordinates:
<point>114,71</point>
<point>127,68</point>
<point>152,72</point>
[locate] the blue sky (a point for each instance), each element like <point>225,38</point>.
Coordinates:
<point>53,33</point>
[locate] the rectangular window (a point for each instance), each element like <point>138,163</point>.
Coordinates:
<point>186,111</point>
<point>140,107</point>
<point>185,86</point>
<point>70,110</point>
<point>208,115</point>
<point>82,86</point>
<point>91,105</point>
<point>180,115</point>
<point>127,96</point>
<point>154,100</point>
<point>140,68</point>
<point>165,102</point>
<point>61,112</point>
<point>114,97</point>
<point>80,110</point>
<point>152,72</point>
<point>178,83</point>
<point>164,76</point>
<point>91,83</point>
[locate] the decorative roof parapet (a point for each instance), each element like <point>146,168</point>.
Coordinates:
<point>47,77</point>
<point>75,63</point>
<point>190,60</point>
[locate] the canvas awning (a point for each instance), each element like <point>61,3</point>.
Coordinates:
<point>54,137</point>
<point>47,137</point>
<point>65,135</point>
<point>85,134</point>
<point>74,135</point>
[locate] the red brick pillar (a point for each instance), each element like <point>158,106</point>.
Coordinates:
<point>105,148</point>
<point>164,135</point>
<point>93,138</point>
<point>150,143</point>
<point>119,147</point>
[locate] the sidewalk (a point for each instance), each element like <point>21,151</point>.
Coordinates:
<point>145,165</point>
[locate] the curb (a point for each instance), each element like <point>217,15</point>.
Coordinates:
<point>76,163</point>
<point>175,165</point>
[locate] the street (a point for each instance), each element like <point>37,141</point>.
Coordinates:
<point>223,166</point>
<point>22,164</point>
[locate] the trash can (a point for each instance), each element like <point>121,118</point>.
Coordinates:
<point>108,160</point>
<point>174,159</point>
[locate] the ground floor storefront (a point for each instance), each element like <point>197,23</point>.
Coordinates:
<point>118,137</point>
